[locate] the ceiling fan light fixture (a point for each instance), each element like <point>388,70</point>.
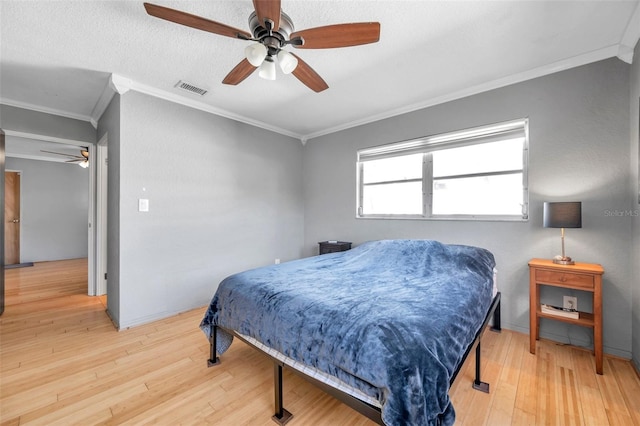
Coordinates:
<point>256,53</point>
<point>268,69</point>
<point>84,164</point>
<point>271,30</point>
<point>287,61</point>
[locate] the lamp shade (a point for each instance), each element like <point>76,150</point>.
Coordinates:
<point>268,69</point>
<point>255,53</point>
<point>562,215</point>
<point>287,61</point>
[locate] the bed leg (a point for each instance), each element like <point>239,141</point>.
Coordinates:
<point>496,318</point>
<point>477,383</point>
<point>281,416</point>
<point>213,355</point>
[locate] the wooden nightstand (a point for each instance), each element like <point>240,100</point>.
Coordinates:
<point>333,246</point>
<point>581,276</point>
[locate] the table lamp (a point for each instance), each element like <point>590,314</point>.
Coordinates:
<point>562,215</point>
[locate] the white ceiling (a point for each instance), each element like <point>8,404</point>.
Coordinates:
<point>58,56</point>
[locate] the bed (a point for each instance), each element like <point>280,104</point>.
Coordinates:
<point>385,327</point>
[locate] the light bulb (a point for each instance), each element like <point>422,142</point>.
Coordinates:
<point>287,61</point>
<point>268,69</point>
<point>84,164</point>
<point>256,53</point>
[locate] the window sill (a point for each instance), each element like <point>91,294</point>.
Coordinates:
<point>469,218</point>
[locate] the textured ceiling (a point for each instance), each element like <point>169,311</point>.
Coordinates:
<point>58,56</point>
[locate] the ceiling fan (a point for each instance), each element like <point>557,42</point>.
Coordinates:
<point>82,159</point>
<point>272,30</point>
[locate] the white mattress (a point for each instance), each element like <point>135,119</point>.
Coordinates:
<point>495,282</point>
<point>315,373</point>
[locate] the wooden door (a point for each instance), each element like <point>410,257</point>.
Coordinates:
<point>11,218</point>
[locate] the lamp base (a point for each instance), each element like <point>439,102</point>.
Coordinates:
<point>566,260</point>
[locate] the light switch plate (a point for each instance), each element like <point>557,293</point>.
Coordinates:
<point>143,205</point>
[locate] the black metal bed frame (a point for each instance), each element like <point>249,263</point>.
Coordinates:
<point>374,413</point>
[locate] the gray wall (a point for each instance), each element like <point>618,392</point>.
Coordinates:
<point>579,150</point>
<point>54,210</point>
<point>635,191</point>
<point>224,197</point>
<point>39,123</point>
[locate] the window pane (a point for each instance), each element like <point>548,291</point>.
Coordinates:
<point>476,174</point>
<point>393,169</point>
<point>486,195</point>
<point>481,158</point>
<point>394,198</point>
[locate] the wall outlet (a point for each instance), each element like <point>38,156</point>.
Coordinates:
<point>277,261</point>
<point>570,302</point>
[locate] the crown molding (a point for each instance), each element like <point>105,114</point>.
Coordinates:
<point>47,138</point>
<point>121,85</point>
<point>37,158</point>
<point>625,53</point>
<point>631,36</point>
<point>172,97</point>
<point>39,108</point>
<point>115,84</point>
<point>576,61</point>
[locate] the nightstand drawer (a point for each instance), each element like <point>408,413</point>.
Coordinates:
<point>565,279</point>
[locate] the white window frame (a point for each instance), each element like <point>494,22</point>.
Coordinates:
<point>426,145</point>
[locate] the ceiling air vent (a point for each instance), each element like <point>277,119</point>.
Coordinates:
<point>190,88</point>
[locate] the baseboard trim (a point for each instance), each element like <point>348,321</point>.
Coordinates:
<point>18,265</point>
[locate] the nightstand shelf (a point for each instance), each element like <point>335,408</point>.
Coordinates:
<point>581,276</point>
<point>586,319</point>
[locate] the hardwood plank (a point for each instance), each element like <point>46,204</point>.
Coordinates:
<point>526,404</point>
<point>477,412</point>
<point>62,362</point>
<point>592,404</point>
<point>614,402</point>
<point>506,387</point>
<point>546,390</point>
<point>628,382</point>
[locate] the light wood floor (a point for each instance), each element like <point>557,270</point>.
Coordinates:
<point>62,362</point>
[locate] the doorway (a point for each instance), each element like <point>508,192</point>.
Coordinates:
<point>2,143</point>
<point>99,200</point>
<point>12,215</point>
<point>96,231</point>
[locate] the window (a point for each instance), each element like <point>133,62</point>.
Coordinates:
<point>478,173</point>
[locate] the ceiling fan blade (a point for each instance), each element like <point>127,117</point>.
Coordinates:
<point>239,73</point>
<point>268,10</point>
<point>339,35</point>
<point>194,21</point>
<point>308,76</point>
<point>60,153</point>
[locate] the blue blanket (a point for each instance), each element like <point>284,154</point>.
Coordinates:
<point>392,318</point>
